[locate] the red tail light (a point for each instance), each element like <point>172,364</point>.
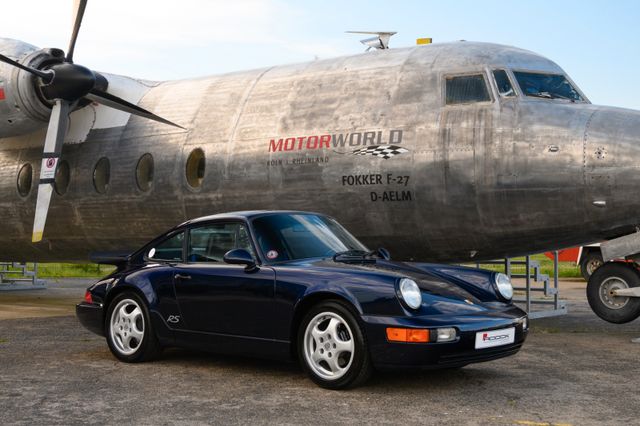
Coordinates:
<point>87,297</point>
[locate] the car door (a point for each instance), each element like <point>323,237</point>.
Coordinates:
<point>216,297</point>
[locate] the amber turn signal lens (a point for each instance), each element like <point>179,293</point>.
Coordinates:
<point>418,336</point>
<point>410,335</point>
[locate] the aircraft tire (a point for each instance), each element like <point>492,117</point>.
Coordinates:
<point>611,276</point>
<point>590,263</point>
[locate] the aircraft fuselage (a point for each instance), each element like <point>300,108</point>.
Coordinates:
<point>368,139</point>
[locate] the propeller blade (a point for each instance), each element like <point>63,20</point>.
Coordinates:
<point>78,13</point>
<point>46,76</point>
<point>115,102</point>
<point>56,132</point>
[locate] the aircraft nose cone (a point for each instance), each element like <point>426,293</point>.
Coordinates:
<point>611,166</point>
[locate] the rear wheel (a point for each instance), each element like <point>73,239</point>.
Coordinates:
<point>332,347</point>
<point>600,293</point>
<point>591,262</point>
<point>130,335</point>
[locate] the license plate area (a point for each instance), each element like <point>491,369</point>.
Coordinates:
<point>493,338</point>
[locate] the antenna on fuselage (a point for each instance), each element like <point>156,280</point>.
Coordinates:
<point>381,41</point>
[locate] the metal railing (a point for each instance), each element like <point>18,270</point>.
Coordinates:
<point>535,283</point>
<point>20,276</point>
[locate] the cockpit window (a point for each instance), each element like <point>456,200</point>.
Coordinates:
<point>547,86</point>
<point>503,83</point>
<point>466,89</point>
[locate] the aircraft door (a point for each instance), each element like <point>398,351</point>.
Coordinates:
<point>465,130</point>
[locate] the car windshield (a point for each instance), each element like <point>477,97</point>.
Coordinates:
<point>547,86</point>
<point>301,236</point>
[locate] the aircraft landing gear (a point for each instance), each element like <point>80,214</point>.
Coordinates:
<point>613,292</point>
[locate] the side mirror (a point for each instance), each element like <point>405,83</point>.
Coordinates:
<point>239,257</point>
<point>384,253</point>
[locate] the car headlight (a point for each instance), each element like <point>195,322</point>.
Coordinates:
<point>503,283</point>
<point>410,293</point>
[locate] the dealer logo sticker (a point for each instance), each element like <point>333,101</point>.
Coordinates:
<point>489,339</point>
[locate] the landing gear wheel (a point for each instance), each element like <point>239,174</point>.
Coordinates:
<point>603,282</point>
<point>332,347</point>
<point>589,264</point>
<point>130,335</point>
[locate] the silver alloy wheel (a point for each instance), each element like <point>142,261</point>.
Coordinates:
<point>329,345</point>
<point>127,326</point>
<point>606,293</point>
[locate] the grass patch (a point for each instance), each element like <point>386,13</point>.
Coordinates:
<point>565,269</point>
<point>73,270</point>
<point>70,270</point>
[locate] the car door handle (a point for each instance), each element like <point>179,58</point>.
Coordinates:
<point>182,277</point>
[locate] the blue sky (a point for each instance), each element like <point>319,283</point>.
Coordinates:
<point>596,42</point>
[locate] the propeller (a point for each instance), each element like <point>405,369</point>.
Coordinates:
<point>68,84</point>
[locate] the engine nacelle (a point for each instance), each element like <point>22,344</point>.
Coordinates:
<point>23,108</point>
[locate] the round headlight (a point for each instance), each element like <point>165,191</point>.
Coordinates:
<point>504,286</point>
<point>410,293</point>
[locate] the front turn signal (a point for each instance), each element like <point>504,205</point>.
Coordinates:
<point>407,335</point>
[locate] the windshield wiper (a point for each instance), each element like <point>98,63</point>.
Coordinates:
<point>548,95</point>
<point>545,95</point>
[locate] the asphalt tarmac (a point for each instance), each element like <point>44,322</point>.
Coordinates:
<point>574,369</point>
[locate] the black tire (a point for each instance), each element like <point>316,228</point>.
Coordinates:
<point>617,310</point>
<point>358,367</point>
<point>137,349</point>
<point>590,263</point>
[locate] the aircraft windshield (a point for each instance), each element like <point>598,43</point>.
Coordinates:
<point>547,86</point>
<point>301,236</point>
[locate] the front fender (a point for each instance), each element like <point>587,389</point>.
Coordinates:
<point>327,291</point>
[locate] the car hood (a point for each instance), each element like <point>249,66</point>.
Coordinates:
<point>465,284</point>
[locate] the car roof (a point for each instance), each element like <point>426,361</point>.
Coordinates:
<point>243,215</point>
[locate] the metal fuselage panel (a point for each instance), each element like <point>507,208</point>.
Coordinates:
<point>491,179</point>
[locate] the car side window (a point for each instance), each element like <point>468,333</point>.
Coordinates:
<point>169,249</point>
<point>466,89</point>
<point>210,243</point>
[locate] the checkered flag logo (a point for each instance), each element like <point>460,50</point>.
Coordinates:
<point>384,151</point>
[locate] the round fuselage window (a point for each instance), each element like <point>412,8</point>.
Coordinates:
<point>25,179</point>
<point>61,181</point>
<point>195,168</point>
<point>102,175</point>
<point>144,172</point>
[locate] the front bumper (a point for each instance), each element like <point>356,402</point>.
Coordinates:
<point>91,317</point>
<point>462,351</point>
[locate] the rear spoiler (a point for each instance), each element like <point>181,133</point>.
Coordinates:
<point>117,259</point>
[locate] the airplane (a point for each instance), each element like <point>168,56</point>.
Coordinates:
<point>457,151</point>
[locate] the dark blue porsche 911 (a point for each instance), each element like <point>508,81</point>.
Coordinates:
<point>297,285</point>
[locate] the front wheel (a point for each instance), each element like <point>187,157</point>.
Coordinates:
<point>600,293</point>
<point>130,335</point>
<point>332,347</point>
